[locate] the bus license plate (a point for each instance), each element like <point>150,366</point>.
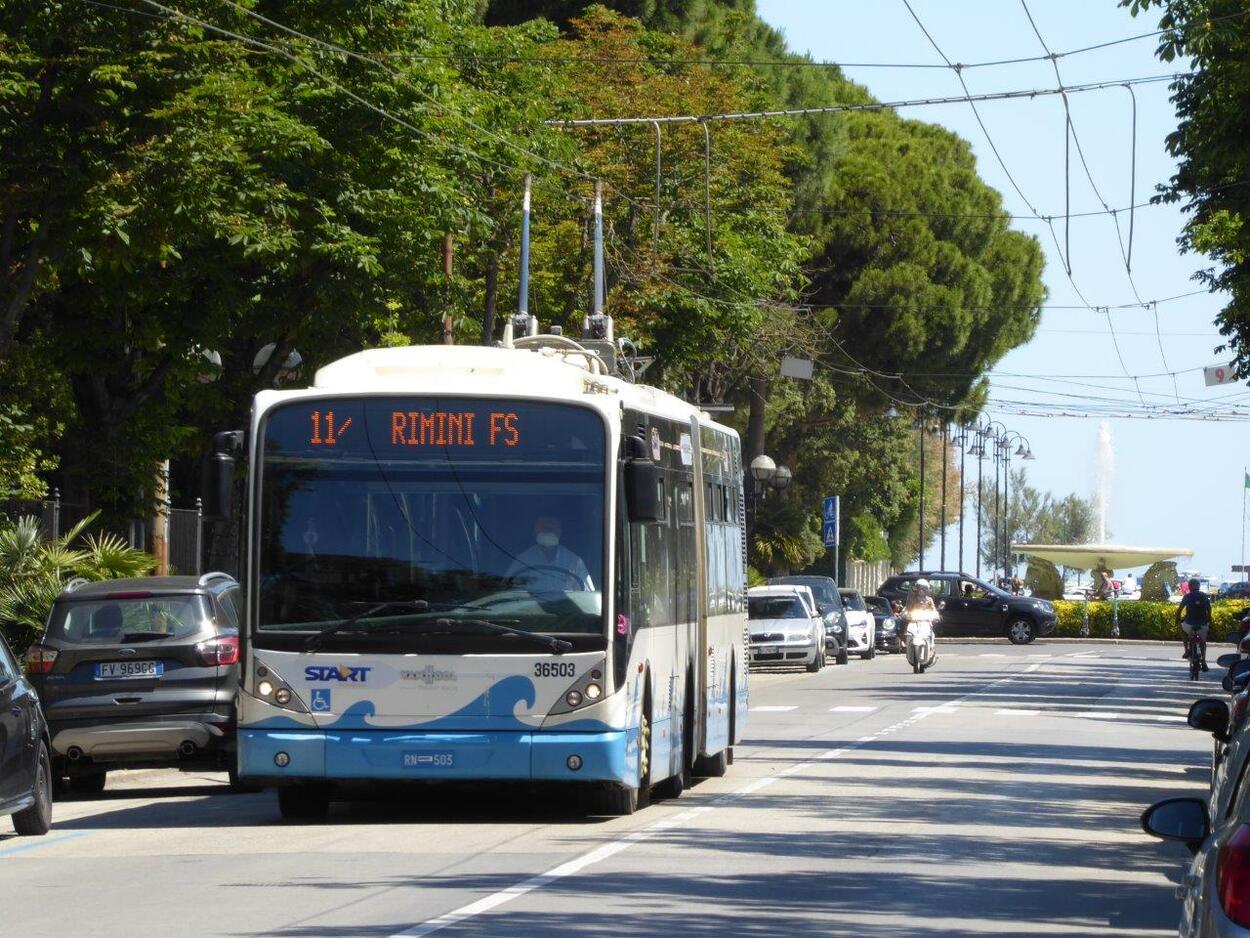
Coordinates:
<point>114,670</point>
<point>429,759</point>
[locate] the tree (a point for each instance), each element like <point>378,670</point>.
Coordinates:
<point>169,190</point>
<point>34,571</point>
<point>1033,517</point>
<point>1213,165</point>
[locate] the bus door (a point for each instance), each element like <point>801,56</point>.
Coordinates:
<point>702,649</point>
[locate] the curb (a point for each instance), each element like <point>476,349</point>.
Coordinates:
<point>1075,641</point>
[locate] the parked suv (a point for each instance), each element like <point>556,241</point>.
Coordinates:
<point>25,751</point>
<point>140,672</point>
<point>972,607</point>
<point>828,604</point>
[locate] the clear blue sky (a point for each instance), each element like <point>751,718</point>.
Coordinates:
<point>1176,482</point>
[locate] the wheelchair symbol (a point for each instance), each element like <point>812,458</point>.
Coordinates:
<point>321,701</point>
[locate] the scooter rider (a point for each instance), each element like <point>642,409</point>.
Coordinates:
<point>920,599</point>
<point>1195,608</point>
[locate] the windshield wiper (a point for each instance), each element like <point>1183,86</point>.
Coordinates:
<point>557,645</point>
<point>314,641</point>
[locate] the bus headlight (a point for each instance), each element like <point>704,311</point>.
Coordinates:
<point>593,691</point>
<point>283,696</point>
<point>264,688</point>
<point>573,698</point>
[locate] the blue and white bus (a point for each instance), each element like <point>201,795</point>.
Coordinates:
<point>469,563</point>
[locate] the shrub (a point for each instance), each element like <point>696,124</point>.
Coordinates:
<point>1142,619</point>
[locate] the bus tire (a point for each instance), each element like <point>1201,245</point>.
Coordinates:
<point>614,800</point>
<point>713,766</point>
<point>305,802</point>
<point>644,749</point>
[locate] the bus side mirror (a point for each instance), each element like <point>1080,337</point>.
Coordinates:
<point>642,484</point>
<point>218,483</point>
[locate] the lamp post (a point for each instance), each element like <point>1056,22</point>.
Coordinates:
<point>765,473</point>
<point>920,436</point>
<point>944,434</point>
<point>990,430</point>
<point>960,439</point>
<point>1025,451</point>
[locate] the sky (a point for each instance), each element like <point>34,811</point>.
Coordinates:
<point>1175,483</point>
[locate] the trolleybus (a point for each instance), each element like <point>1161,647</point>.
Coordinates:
<point>467,563</point>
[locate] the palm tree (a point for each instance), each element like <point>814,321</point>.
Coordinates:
<point>34,571</point>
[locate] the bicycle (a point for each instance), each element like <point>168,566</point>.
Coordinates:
<point>1197,654</point>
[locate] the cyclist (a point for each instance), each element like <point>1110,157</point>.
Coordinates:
<point>1195,609</point>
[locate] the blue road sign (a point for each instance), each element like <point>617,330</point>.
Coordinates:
<point>829,528</point>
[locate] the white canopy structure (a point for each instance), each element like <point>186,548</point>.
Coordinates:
<point>1089,556</point>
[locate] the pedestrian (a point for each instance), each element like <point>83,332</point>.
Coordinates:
<point>1103,590</point>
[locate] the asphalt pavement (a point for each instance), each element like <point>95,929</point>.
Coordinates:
<point>997,794</point>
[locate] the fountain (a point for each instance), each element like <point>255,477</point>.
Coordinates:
<point>1100,554</point>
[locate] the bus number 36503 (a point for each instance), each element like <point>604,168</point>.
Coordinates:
<point>555,669</point>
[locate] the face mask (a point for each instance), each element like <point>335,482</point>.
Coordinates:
<point>547,539</point>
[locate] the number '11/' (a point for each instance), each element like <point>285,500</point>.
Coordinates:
<point>332,433</point>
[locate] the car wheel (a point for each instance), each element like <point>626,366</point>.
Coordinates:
<point>1021,632</point>
<point>870,653</point>
<point>36,820</point>
<point>91,784</point>
<point>308,802</point>
<point>843,657</point>
<point>817,663</point>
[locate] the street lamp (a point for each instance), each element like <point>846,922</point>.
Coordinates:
<point>762,468</point>
<point>1025,451</point>
<point>990,430</point>
<point>782,477</point>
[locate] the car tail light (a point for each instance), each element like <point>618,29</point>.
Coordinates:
<point>1234,877</point>
<point>40,659</point>
<point>219,651</point>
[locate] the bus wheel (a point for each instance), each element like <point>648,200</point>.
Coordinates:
<point>307,802</point>
<point>644,752</point>
<point>713,766</point>
<point>614,800</point>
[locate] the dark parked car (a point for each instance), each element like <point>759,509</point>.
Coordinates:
<point>972,607</point>
<point>1234,591</point>
<point>140,672</point>
<point>829,605</point>
<point>25,751</point>
<point>889,636</point>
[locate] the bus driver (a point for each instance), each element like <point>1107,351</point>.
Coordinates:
<point>548,566</point>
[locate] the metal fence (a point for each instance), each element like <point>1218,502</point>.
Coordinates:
<point>185,534</point>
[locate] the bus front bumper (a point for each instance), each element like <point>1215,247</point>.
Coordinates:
<point>381,754</point>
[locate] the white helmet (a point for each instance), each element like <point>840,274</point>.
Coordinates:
<point>922,584</point>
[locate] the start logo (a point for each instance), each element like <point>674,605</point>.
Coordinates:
<point>341,673</point>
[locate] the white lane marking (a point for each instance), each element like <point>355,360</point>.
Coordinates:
<point>846,709</point>
<point>1033,667</point>
<point>1168,718</point>
<point>1084,654</point>
<point>772,709</point>
<point>1038,656</point>
<point>992,654</point>
<point>1099,715</point>
<point>1016,712</point>
<point>576,865</point>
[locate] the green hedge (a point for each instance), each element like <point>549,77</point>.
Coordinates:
<point>1140,619</point>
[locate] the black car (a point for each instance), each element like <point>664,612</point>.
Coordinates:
<point>889,637</point>
<point>973,608</point>
<point>829,605</point>
<point>1234,591</point>
<point>140,672</point>
<point>25,751</point>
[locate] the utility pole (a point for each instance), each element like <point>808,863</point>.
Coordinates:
<point>449,337</point>
<point>943,494</point>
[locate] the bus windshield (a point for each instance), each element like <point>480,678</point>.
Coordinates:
<point>489,510</point>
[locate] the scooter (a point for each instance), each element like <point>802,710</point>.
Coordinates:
<point>921,643</point>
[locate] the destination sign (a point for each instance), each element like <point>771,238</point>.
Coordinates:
<point>344,428</point>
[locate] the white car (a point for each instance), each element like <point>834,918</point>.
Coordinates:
<point>861,625</point>
<point>785,627</point>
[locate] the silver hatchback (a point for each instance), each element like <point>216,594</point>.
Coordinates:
<point>1215,890</point>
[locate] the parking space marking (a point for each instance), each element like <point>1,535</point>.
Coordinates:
<point>846,709</point>
<point>772,709</point>
<point>42,842</point>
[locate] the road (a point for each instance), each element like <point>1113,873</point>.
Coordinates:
<point>997,794</point>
